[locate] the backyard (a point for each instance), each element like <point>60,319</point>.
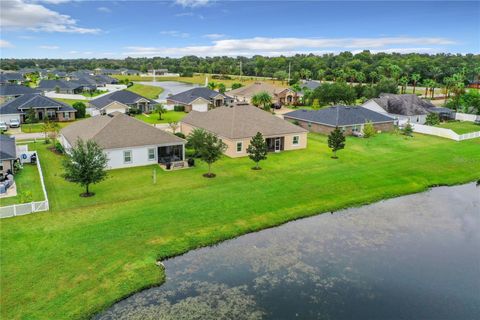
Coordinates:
<point>87,253</point>
<point>150,92</point>
<point>169,116</point>
<point>37,127</point>
<point>28,186</point>
<point>460,127</point>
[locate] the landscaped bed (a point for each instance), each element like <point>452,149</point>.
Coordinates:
<point>87,253</point>
<point>169,116</point>
<point>28,186</point>
<point>460,127</point>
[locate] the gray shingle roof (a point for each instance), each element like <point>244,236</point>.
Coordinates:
<point>346,116</point>
<point>7,148</point>
<point>403,104</point>
<point>242,121</point>
<point>15,90</point>
<point>309,84</point>
<point>27,101</point>
<point>11,76</point>
<point>118,130</point>
<point>189,96</point>
<point>123,96</point>
<point>62,84</point>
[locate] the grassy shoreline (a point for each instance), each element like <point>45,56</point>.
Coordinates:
<point>90,253</point>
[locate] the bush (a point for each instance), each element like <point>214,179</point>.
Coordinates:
<point>369,130</point>
<point>179,108</point>
<point>236,85</point>
<point>81,109</point>
<point>432,119</point>
<point>180,135</point>
<point>186,74</point>
<point>59,147</point>
<point>221,77</point>
<point>134,111</point>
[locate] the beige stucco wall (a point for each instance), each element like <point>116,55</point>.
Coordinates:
<point>232,143</point>
<point>115,106</point>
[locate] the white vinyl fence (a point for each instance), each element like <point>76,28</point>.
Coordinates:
<point>26,208</point>
<point>466,117</point>
<point>444,133</point>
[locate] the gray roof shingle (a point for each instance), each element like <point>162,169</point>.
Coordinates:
<point>7,148</point>
<point>339,116</point>
<point>123,96</point>
<point>189,96</point>
<point>27,101</point>
<point>404,104</point>
<point>15,90</point>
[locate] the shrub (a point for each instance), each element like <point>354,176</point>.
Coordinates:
<point>134,111</point>
<point>180,135</point>
<point>368,130</point>
<point>81,109</point>
<point>179,108</point>
<point>236,85</point>
<point>432,119</point>
<point>59,147</point>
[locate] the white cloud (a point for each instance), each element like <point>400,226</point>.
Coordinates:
<point>73,52</point>
<point>104,9</point>
<point>19,14</point>
<point>192,3</point>
<point>49,47</point>
<point>214,35</point>
<point>175,33</point>
<point>185,14</point>
<point>289,46</point>
<point>5,44</point>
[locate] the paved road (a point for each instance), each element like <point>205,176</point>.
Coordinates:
<point>169,87</point>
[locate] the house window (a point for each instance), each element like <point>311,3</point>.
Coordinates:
<point>151,154</point>
<point>127,156</point>
<point>66,115</point>
<point>51,114</point>
<point>296,140</point>
<point>239,146</point>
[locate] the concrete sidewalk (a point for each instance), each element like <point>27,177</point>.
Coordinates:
<point>28,136</point>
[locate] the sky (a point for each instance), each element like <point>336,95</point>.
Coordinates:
<point>175,28</point>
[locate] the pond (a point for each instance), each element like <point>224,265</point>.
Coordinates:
<point>170,87</point>
<point>412,257</point>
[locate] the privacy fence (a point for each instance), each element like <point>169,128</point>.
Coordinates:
<point>30,207</point>
<point>444,133</point>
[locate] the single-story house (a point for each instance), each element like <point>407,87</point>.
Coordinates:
<point>106,71</point>
<point>44,108</point>
<point>8,153</point>
<point>120,101</point>
<point>350,119</point>
<point>128,142</point>
<point>406,108</point>
<point>60,85</point>
<point>474,84</point>
<point>101,80</point>
<point>11,91</point>
<point>237,125</point>
<point>280,95</point>
<point>130,72</point>
<point>198,99</point>
<point>11,77</point>
<point>157,72</point>
<point>310,84</point>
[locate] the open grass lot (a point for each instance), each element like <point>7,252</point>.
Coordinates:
<point>150,92</point>
<point>199,78</point>
<point>169,116</point>
<point>87,253</point>
<point>460,127</point>
<point>37,127</point>
<point>27,179</point>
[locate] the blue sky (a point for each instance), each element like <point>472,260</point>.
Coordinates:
<point>117,29</point>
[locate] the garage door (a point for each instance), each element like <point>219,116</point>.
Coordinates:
<point>202,107</point>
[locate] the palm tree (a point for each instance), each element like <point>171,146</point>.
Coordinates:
<point>211,85</point>
<point>415,79</point>
<point>160,109</point>
<point>403,82</point>
<point>262,98</point>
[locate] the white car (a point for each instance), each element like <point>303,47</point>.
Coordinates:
<point>14,123</point>
<point>3,126</point>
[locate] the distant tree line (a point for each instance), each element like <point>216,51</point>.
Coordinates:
<point>363,67</point>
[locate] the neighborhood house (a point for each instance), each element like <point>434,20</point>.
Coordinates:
<point>350,119</point>
<point>8,154</point>
<point>237,125</point>
<point>198,99</point>
<point>127,141</point>
<point>120,101</point>
<point>11,91</point>
<point>280,96</point>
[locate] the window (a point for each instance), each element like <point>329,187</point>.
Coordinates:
<point>296,140</point>
<point>51,114</point>
<point>151,154</point>
<point>127,156</point>
<point>239,146</point>
<point>66,115</point>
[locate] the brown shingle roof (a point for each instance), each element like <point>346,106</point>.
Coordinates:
<point>242,121</point>
<point>117,130</point>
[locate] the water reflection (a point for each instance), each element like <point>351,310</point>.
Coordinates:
<point>411,257</point>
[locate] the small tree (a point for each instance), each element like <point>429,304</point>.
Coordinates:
<point>336,141</point>
<point>160,109</point>
<point>30,118</point>
<point>369,130</point>
<point>81,109</point>
<point>85,164</point>
<point>195,140</point>
<point>257,150</point>
<point>46,129</point>
<point>432,119</point>
<point>236,85</point>
<point>173,126</point>
<point>408,130</point>
<point>210,151</point>
<point>315,104</point>
<point>221,88</point>
<point>211,85</point>
<point>57,89</point>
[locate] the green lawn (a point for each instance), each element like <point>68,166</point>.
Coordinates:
<point>72,101</point>
<point>93,93</point>
<point>26,179</point>
<point>150,92</point>
<point>37,127</point>
<point>460,127</point>
<point>87,253</point>
<point>169,116</point>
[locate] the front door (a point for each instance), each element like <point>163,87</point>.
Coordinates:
<point>278,144</point>
<point>40,115</point>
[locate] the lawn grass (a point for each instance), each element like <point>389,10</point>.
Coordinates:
<point>37,127</point>
<point>169,116</point>
<point>87,253</point>
<point>460,127</point>
<point>72,101</point>
<point>150,92</point>
<point>27,179</point>
<point>93,93</point>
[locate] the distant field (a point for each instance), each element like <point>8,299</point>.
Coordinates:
<point>150,92</point>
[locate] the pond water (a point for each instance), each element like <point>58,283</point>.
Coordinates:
<point>170,87</point>
<point>412,257</point>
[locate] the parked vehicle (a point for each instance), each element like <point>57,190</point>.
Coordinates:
<point>14,123</point>
<point>3,126</point>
